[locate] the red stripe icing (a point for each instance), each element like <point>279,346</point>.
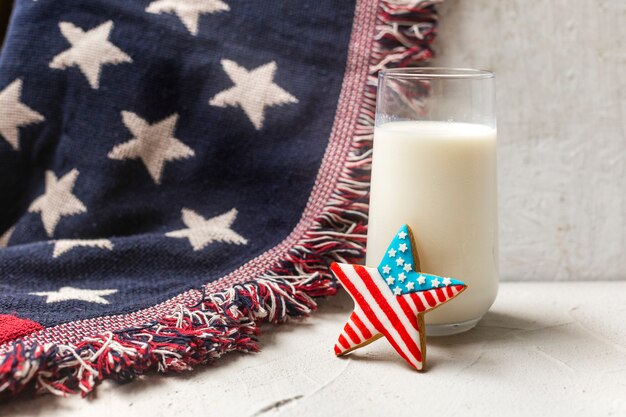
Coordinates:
<point>429,298</point>
<point>449,291</point>
<point>408,311</point>
<point>344,343</point>
<point>418,302</point>
<point>359,324</point>
<point>351,334</point>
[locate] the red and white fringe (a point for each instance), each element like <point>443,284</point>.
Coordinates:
<point>228,320</point>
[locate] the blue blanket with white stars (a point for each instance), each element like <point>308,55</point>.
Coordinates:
<point>148,147</point>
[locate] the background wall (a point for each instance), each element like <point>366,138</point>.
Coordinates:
<point>561,91</point>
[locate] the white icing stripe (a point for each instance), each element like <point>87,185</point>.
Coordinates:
<point>412,304</point>
<point>433,293</point>
<point>427,306</point>
<point>347,336</point>
<point>355,334</point>
<point>445,296</point>
<point>359,313</point>
<point>348,341</point>
<point>406,299</point>
<point>368,324</point>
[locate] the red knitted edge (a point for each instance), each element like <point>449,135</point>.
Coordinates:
<point>12,327</point>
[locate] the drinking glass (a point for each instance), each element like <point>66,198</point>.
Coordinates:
<point>434,168</point>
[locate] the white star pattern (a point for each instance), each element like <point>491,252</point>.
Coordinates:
<point>89,51</point>
<point>188,11</point>
<point>58,200</point>
<point>71,293</point>
<point>6,236</point>
<point>65,245</point>
<point>397,291</point>
<point>154,144</point>
<point>254,90</point>
<point>201,232</point>
<point>15,114</point>
<point>397,262</point>
<point>410,286</point>
<point>390,280</point>
<point>434,282</point>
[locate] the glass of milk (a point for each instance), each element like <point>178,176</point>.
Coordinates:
<point>434,168</point>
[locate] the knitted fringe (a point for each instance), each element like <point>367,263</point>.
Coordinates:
<point>220,323</point>
<point>228,320</point>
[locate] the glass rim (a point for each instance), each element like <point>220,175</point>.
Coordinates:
<point>437,73</point>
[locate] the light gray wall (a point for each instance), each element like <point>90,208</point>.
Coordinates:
<point>561,91</point>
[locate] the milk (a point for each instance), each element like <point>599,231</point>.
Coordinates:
<point>440,179</point>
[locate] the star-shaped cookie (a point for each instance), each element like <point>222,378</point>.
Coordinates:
<point>391,300</point>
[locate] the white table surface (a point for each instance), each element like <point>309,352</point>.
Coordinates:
<point>545,349</point>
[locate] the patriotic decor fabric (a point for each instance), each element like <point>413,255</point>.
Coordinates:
<point>390,301</point>
<point>173,172</point>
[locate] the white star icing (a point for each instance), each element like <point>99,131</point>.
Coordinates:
<point>402,248</point>
<point>89,51</point>
<point>386,269</point>
<point>399,261</point>
<point>407,267</point>
<point>446,281</point>
<point>65,245</point>
<point>434,282</point>
<point>390,280</point>
<point>188,11</point>
<point>154,144</point>
<point>392,253</point>
<point>6,236</point>
<point>58,200</point>
<point>253,91</point>
<point>401,276</point>
<point>397,291</point>
<point>402,235</point>
<point>410,285</point>
<point>71,293</point>
<point>421,280</point>
<point>15,114</point>
<point>201,231</point>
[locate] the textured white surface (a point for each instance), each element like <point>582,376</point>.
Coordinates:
<point>545,349</point>
<point>561,91</point>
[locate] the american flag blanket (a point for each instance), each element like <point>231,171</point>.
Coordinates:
<point>174,172</point>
